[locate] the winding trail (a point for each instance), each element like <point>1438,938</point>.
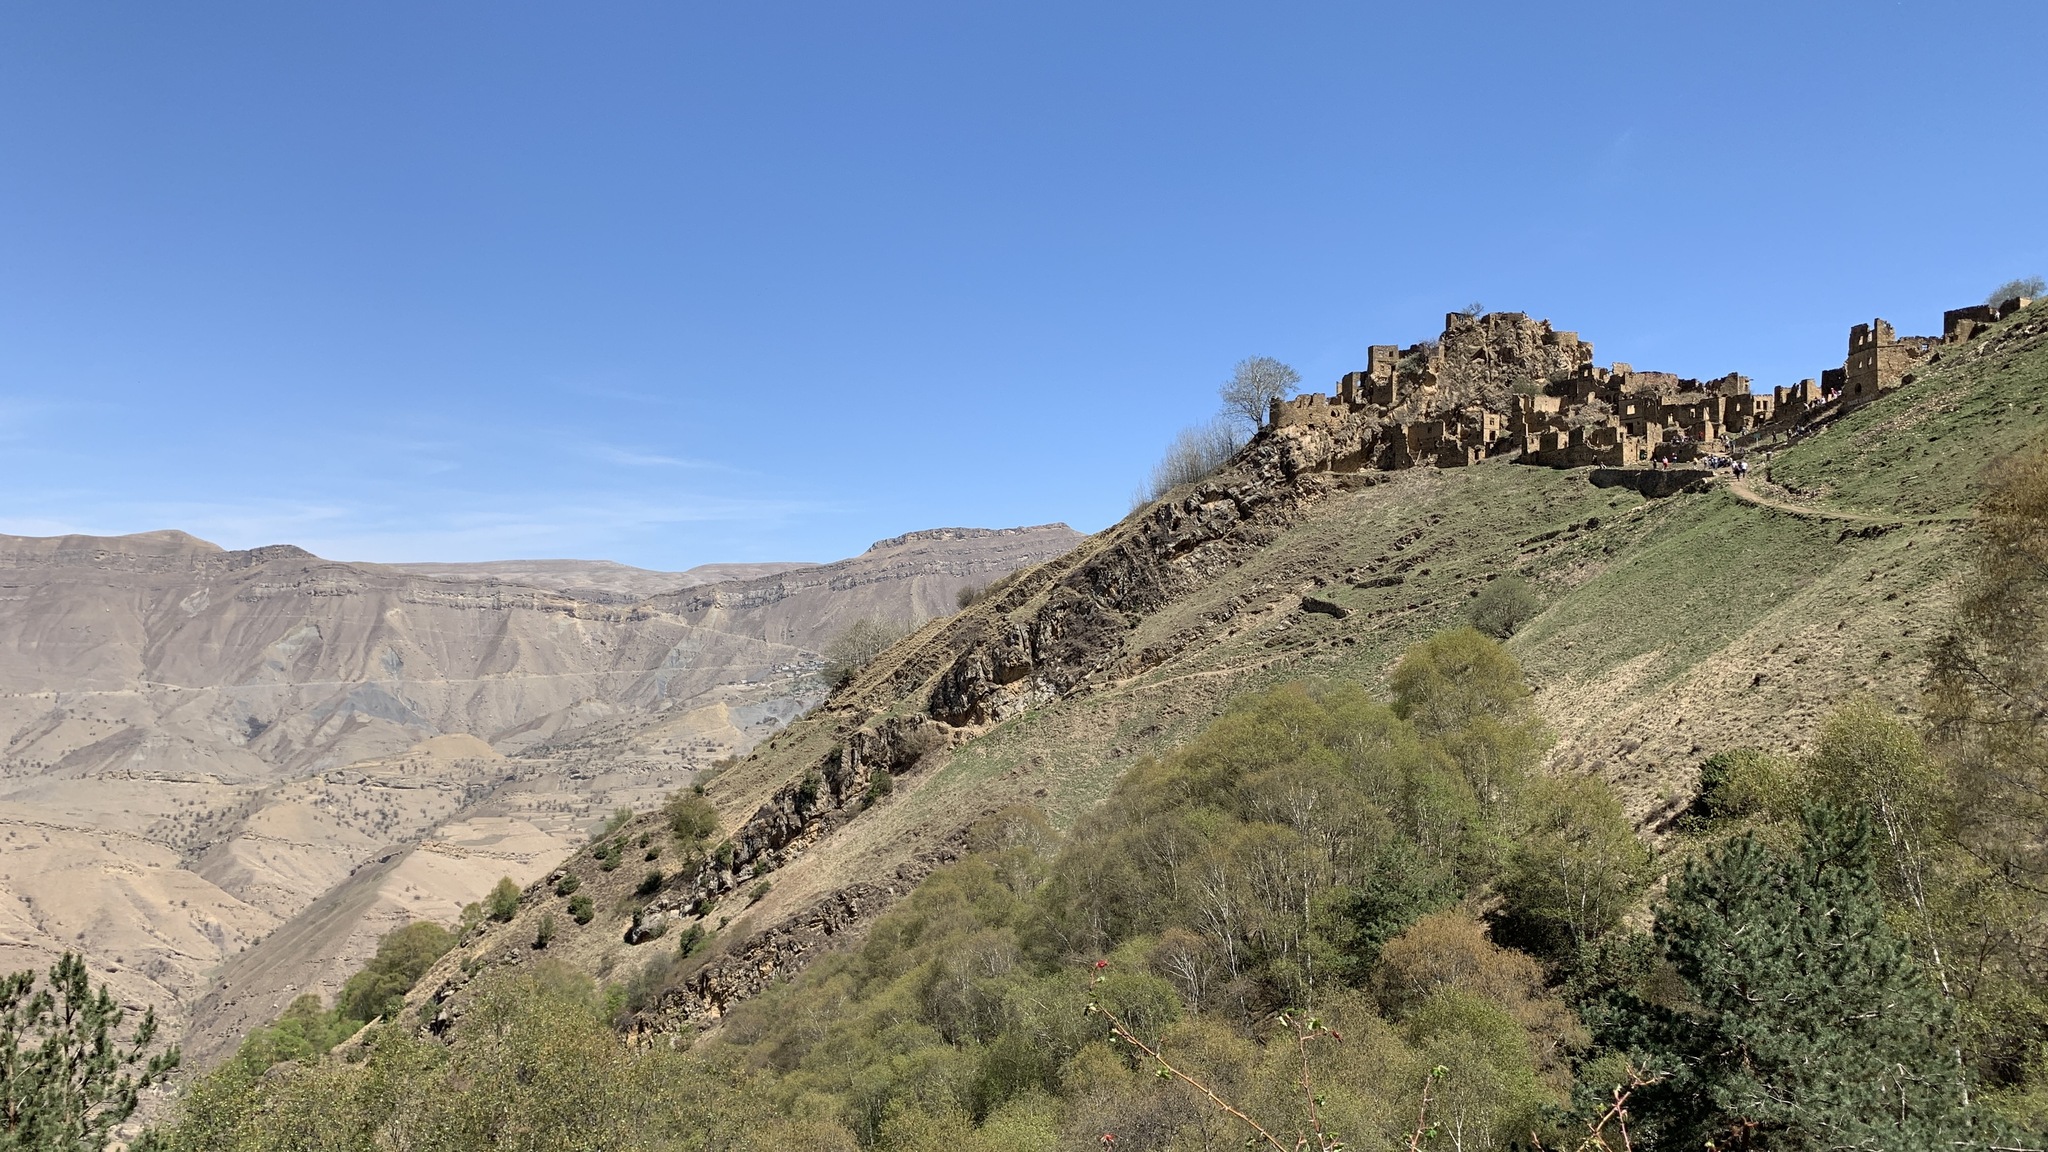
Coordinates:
<point>1744,491</point>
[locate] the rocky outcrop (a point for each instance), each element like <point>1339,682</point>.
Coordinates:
<point>1652,482</point>
<point>777,953</point>
<point>1480,359</point>
<point>1044,644</point>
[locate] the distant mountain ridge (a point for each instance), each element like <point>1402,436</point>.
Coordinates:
<point>605,581</point>
<point>197,744</point>
<point>909,579</point>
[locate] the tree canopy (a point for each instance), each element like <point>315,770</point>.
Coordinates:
<point>67,1075</point>
<point>1254,384</point>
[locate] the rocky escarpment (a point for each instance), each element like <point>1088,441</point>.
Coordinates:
<point>1046,643</point>
<point>153,553</point>
<point>1053,631</point>
<point>1047,632</point>
<point>1480,360</point>
<point>802,812</point>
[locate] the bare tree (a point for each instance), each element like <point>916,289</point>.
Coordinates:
<point>1254,385</point>
<point>1195,453</point>
<point>2031,287</point>
<point>857,645</point>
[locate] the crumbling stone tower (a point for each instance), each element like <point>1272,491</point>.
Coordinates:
<point>1878,360</point>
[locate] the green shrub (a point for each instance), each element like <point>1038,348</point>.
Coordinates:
<point>581,909</point>
<point>724,855</point>
<point>568,885</point>
<point>1747,782</point>
<point>758,892</point>
<point>650,883</point>
<point>647,985</point>
<point>612,824</point>
<point>546,932</point>
<point>691,817</point>
<point>403,956</point>
<point>808,792</point>
<point>691,941</point>
<point>503,902</point>
<point>1504,605</point>
<point>879,787</point>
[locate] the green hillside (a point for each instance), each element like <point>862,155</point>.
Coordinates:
<point>996,798</point>
<point>1671,629</point>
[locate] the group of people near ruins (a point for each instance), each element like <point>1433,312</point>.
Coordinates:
<point>1740,468</point>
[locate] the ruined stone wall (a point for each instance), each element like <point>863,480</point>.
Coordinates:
<point>1878,361</point>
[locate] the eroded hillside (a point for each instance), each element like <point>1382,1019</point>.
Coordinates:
<point>1723,615</point>
<point>270,757</point>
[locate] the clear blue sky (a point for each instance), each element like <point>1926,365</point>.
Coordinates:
<point>675,283</point>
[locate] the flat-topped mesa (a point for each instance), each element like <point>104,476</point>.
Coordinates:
<point>1502,384</point>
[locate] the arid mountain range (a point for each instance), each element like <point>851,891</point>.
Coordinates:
<point>604,581</point>
<point>269,758</point>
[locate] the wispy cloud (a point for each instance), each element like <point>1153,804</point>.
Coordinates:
<point>635,458</point>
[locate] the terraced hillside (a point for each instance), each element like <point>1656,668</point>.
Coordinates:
<point>1672,628</point>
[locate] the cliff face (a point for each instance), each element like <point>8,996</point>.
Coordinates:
<point>1480,359</point>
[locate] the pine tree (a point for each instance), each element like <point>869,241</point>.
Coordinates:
<point>66,1077</point>
<point>1805,1023</point>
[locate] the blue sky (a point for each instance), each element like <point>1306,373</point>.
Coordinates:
<point>678,283</point>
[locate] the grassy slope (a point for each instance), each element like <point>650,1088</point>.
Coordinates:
<point>1673,628</point>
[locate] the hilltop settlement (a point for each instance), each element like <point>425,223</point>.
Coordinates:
<point>1501,384</point>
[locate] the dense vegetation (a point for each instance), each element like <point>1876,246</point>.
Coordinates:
<point>1382,897</point>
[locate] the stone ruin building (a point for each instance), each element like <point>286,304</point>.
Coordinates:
<point>1502,384</point>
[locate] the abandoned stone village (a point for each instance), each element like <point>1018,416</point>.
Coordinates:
<point>1503,385</point>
